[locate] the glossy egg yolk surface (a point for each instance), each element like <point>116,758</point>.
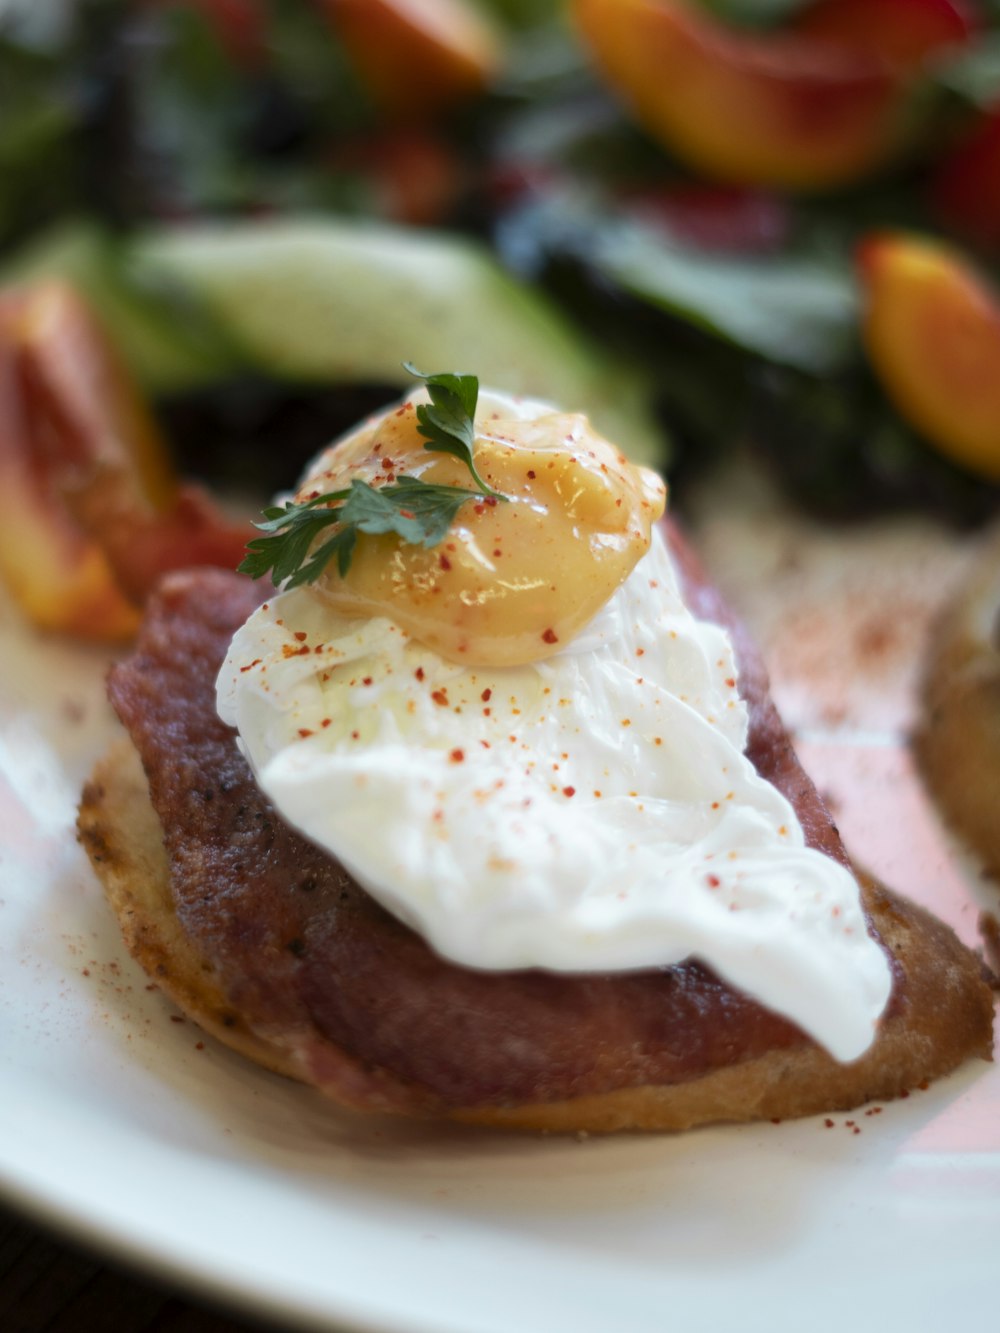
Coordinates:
<point>514,578</point>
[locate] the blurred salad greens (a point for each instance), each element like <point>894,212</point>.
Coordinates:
<point>765,223</point>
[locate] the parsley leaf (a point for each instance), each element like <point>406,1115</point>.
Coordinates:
<point>419,512</point>
<point>447,423</point>
<point>291,530</point>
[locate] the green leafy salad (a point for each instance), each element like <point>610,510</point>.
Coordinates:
<point>765,225</point>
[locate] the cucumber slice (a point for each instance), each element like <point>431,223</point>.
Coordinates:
<point>339,301</point>
<point>165,346</point>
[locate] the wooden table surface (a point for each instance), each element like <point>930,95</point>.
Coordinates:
<point>50,1286</point>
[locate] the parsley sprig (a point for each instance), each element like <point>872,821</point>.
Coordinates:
<point>417,511</point>
<point>447,423</point>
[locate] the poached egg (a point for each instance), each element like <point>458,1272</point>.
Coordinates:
<point>533,752</point>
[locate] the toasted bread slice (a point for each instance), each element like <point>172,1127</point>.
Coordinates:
<point>944,1018</point>
<point>958,740</point>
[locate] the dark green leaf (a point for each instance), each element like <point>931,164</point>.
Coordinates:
<point>448,423</point>
<point>799,312</point>
<point>340,545</point>
<point>418,512</point>
<point>754,13</point>
<point>795,309</point>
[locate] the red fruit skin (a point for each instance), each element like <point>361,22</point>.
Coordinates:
<point>965,189</point>
<point>903,32</point>
<point>775,109</point>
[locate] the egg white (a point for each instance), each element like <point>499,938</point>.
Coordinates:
<point>591,812</point>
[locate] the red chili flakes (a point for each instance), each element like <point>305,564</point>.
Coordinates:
<point>355,735</point>
<point>569,791</point>
<point>301,635</point>
<point>367,680</point>
<point>288,651</point>
<point>713,881</point>
<point>457,756</point>
<point>325,723</point>
<point>531,474</point>
<point>304,732</point>
<point>444,562</point>
<point>550,636</point>
<point>250,666</point>
<point>387,464</point>
<point>419,673</point>
<point>731,682</point>
<point>497,553</point>
<point>657,740</point>
<point>440,697</point>
<point>486,696</point>
<point>626,721</point>
<point>828,1124</point>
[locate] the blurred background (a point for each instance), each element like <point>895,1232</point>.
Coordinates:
<point>765,224</point>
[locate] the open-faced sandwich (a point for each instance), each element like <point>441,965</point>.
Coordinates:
<point>487,814</point>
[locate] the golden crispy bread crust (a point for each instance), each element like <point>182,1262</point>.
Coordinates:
<point>945,1018</point>
<point>958,741</point>
<point>123,838</point>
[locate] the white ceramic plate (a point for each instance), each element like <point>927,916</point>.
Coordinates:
<point>120,1123</point>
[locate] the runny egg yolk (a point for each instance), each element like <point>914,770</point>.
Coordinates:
<point>515,578</point>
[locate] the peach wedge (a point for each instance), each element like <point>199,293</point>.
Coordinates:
<point>60,578</point>
<point>416,57</point>
<point>91,514</point>
<point>932,330</point>
<point>773,109</point>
